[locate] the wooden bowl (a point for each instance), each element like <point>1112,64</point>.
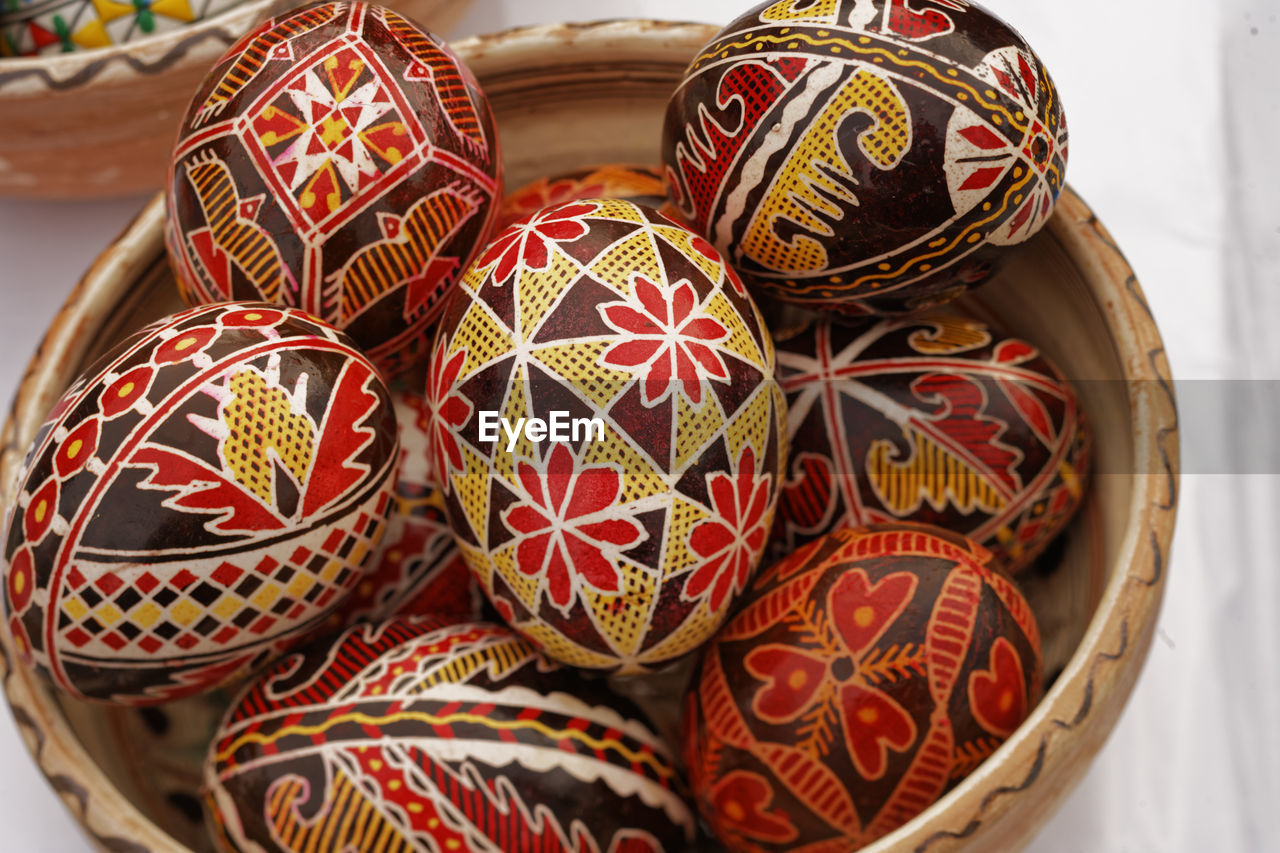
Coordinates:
<point>98,123</point>
<point>567,96</point>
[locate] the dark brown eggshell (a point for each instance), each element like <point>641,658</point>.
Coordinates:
<point>199,500</point>
<point>940,419</point>
<point>340,160</point>
<point>425,735</point>
<point>863,677</point>
<point>865,154</point>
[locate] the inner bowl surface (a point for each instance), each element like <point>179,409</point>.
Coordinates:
<point>568,96</point>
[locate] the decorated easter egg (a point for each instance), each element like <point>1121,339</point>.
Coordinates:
<point>607,432</point>
<point>421,735</point>
<point>939,419</point>
<point>340,160</point>
<point>50,27</point>
<point>417,568</point>
<point>641,184</point>
<point>865,153</point>
<point>199,500</point>
<point>864,676</point>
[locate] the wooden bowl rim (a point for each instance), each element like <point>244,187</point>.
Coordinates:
<point>1056,736</point>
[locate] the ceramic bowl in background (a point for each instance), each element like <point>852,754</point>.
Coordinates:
<point>99,123</point>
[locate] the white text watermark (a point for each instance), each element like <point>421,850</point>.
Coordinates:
<point>556,427</point>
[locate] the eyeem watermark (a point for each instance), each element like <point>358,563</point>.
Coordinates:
<point>558,426</point>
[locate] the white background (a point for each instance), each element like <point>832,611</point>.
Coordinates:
<point>1174,110</point>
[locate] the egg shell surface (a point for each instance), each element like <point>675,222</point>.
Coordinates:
<point>865,153</point>
<point>863,677</point>
<point>940,419</point>
<point>417,568</point>
<point>621,546</point>
<point>421,735</point>
<point>200,499</point>
<point>340,160</point>
<point>641,184</point>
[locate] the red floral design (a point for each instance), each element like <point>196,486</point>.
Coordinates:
<point>448,410</point>
<point>569,525</point>
<point>733,538</point>
<point>667,337</point>
<point>872,721</point>
<point>525,242</point>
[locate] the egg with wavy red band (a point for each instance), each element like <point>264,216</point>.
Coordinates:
<point>421,735</point>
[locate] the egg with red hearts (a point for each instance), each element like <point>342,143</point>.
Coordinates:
<point>862,678</point>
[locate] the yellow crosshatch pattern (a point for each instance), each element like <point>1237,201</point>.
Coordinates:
<point>801,266</point>
<point>623,619</point>
<point>260,418</point>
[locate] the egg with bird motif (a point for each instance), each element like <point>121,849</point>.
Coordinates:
<point>340,160</point>
<point>200,499</point>
<point>874,156</point>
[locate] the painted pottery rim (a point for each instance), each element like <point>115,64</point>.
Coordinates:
<point>1052,747</point>
<point>25,75</point>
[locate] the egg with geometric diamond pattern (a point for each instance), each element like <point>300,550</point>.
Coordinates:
<point>618,534</point>
<point>198,501</point>
<point>341,160</point>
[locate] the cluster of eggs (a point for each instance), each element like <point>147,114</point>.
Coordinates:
<point>594,442</point>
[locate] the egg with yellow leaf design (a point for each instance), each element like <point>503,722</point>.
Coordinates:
<point>873,156</point>
<point>607,431</point>
<point>199,500</point>
<point>941,419</point>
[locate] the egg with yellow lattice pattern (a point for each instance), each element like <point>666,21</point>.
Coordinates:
<point>198,501</point>
<point>607,432</point>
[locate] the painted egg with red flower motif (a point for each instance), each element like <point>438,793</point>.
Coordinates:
<point>607,432</point>
<point>416,569</point>
<point>421,735</point>
<point>200,499</point>
<point>641,184</point>
<point>940,419</point>
<point>872,155</point>
<point>863,677</point>
<point>340,160</point>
